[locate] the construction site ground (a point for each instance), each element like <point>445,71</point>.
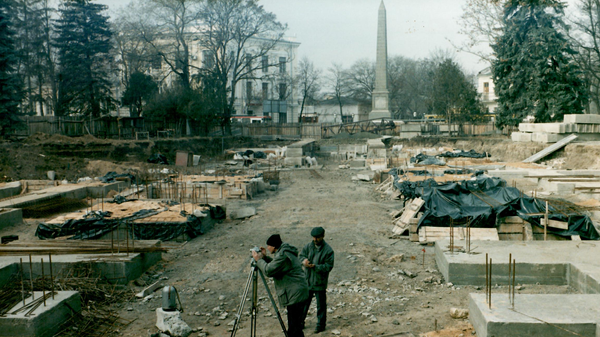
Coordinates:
<point>380,285</point>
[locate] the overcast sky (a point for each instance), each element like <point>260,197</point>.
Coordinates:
<point>344,31</point>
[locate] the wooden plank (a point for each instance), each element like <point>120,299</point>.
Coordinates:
<point>528,234</point>
<point>507,228</point>
<point>431,234</point>
<point>550,149</point>
<point>149,289</point>
<point>575,238</point>
<point>512,219</point>
<point>556,224</point>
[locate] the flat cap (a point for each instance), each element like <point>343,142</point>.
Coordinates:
<point>317,231</point>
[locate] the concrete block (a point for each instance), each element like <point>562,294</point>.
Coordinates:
<point>556,187</point>
<point>171,322</point>
<point>358,163</point>
<point>521,137</point>
<point>10,189</point>
<point>46,320</point>
<point>10,216</point>
<point>409,135</point>
<point>546,137</point>
<point>582,119</point>
<point>242,213</point>
<point>375,143</point>
<point>527,127</point>
<point>294,152</point>
<point>410,128</point>
<point>293,162</point>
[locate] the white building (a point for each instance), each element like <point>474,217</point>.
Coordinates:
<point>485,89</point>
<point>328,111</point>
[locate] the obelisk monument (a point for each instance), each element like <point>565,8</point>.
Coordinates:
<point>380,93</point>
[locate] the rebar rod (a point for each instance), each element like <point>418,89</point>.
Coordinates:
<point>509,274</point>
<point>22,285</point>
<point>31,276</point>
<point>486,276</point>
<point>490,294</point>
<point>514,269</point>
<point>51,275</point>
<point>43,279</point>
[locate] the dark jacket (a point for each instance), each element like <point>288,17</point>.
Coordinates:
<point>322,257</point>
<point>286,271</point>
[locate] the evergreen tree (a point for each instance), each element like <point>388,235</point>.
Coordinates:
<point>453,95</point>
<point>139,89</point>
<point>84,56</point>
<point>9,83</point>
<point>534,71</point>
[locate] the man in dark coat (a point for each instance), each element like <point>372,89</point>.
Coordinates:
<point>317,258</point>
<point>290,283</point>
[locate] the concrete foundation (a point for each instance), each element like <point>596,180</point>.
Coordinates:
<point>11,189</point>
<point>116,268</point>
<point>10,216</point>
<point>521,137</point>
<point>546,137</point>
<point>45,320</point>
<point>543,262</point>
<point>535,315</point>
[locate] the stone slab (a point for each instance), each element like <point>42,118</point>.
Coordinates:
<point>540,137</point>
<point>535,315</point>
<point>582,119</point>
<point>45,320</point>
<point>10,189</point>
<point>10,216</point>
<point>548,263</point>
<point>521,137</point>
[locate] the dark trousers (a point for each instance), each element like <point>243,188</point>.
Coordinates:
<point>295,314</point>
<point>321,296</point>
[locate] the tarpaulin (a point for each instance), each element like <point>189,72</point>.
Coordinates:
<point>423,159</point>
<point>469,154</point>
<point>112,176</point>
<point>482,201</point>
<point>96,224</point>
<point>158,158</point>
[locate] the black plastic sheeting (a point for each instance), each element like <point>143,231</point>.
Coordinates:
<point>158,158</point>
<point>483,201</point>
<point>112,176</point>
<point>96,224</point>
<point>469,154</point>
<point>424,159</point>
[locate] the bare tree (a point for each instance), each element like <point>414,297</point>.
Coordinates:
<point>586,37</point>
<point>338,83</point>
<point>308,80</point>
<point>361,79</point>
<point>238,34</point>
<point>168,27</point>
<point>481,23</point>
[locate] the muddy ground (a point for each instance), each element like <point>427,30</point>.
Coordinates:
<point>380,286</point>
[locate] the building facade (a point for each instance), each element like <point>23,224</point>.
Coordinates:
<point>486,91</point>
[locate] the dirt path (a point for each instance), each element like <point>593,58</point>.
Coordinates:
<point>369,295</point>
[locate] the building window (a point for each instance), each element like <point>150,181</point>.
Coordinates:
<point>486,87</point>
<point>265,91</point>
<point>282,91</point>
<point>282,65</point>
<point>208,59</point>
<point>156,62</point>
<point>249,90</point>
<point>282,118</point>
<point>265,63</point>
<point>347,119</point>
<point>248,62</point>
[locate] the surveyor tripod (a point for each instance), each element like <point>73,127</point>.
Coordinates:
<point>253,280</point>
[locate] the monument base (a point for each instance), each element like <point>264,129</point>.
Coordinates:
<point>380,114</point>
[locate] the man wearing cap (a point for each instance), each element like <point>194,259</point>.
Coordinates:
<point>290,283</point>
<point>317,258</point>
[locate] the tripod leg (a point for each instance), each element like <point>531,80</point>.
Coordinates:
<point>285,333</point>
<point>238,316</point>
<point>254,302</point>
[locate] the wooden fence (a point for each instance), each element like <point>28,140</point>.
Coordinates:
<point>127,128</point>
